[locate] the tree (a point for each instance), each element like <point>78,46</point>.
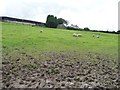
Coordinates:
<point>62,21</point>
<point>118,31</point>
<point>51,21</point>
<point>86,29</point>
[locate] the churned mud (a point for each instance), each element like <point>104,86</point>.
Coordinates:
<point>59,70</point>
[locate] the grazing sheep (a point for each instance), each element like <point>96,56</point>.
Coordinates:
<point>97,36</point>
<point>41,31</point>
<point>74,35</point>
<point>77,35</point>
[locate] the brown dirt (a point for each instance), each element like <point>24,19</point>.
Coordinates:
<point>59,70</point>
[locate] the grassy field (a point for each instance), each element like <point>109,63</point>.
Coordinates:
<point>29,39</point>
<point>54,58</point>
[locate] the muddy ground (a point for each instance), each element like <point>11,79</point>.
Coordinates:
<point>59,70</point>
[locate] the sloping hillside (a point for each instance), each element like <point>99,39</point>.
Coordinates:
<point>54,58</point>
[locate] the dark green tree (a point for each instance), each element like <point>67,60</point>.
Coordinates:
<point>62,21</point>
<point>51,21</point>
<point>86,29</point>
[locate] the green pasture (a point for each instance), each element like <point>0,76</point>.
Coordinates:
<point>28,39</point>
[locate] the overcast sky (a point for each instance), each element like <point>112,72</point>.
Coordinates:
<point>95,14</point>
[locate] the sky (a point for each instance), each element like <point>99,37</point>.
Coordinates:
<point>94,14</point>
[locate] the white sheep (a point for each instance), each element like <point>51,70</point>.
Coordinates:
<point>74,35</point>
<point>97,36</point>
<point>77,35</point>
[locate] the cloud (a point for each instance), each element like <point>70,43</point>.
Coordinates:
<point>95,14</point>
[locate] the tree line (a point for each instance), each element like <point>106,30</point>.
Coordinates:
<point>52,22</point>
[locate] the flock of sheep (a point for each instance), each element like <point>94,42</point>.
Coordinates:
<point>79,35</point>
<point>98,36</point>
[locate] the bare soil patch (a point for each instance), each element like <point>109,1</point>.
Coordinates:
<point>59,70</point>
